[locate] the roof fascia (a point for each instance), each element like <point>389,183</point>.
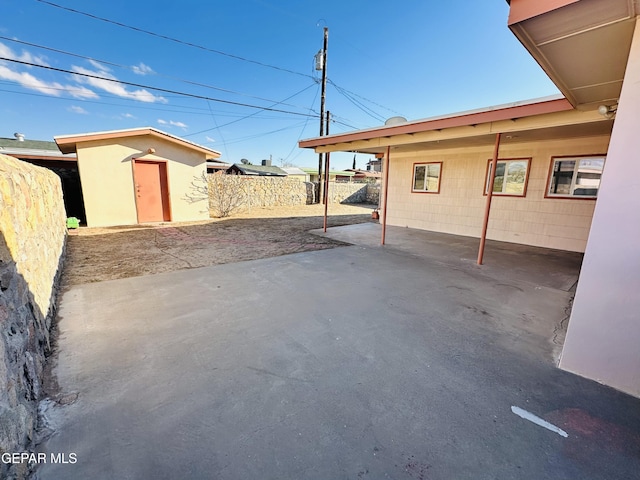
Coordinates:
<point>521,10</point>
<point>556,119</point>
<point>470,119</point>
<point>68,143</point>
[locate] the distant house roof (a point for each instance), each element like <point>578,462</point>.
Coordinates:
<point>217,165</point>
<point>366,173</point>
<point>340,173</point>
<point>294,171</point>
<point>67,143</point>
<point>260,170</point>
<point>33,149</point>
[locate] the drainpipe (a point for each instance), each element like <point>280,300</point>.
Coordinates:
<point>384,198</point>
<point>326,187</point>
<point>487,208</point>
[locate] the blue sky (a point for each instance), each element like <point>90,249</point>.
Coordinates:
<point>416,58</point>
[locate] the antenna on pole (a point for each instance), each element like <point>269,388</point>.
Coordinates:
<point>321,64</point>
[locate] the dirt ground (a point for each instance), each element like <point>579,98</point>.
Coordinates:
<point>98,254</point>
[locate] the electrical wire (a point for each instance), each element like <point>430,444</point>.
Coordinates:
<point>128,67</point>
<point>172,39</point>
<point>306,122</point>
<point>254,114</point>
<point>359,104</point>
<point>158,89</point>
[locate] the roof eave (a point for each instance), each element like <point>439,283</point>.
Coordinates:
<point>457,120</point>
<point>68,143</point>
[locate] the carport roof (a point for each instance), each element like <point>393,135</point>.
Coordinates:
<point>531,120</point>
<point>67,143</point>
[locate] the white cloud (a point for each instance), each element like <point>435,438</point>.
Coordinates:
<point>25,56</point>
<point>112,86</point>
<point>78,110</point>
<point>184,126</point>
<point>142,69</point>
<point>27,80</point>
<point>80,92</point>
<point>127,115</point>
<point>99,66</point>
<point>209,139</point>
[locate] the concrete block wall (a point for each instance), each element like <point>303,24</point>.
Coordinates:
<point>459,207</point>
<point>32,246</point>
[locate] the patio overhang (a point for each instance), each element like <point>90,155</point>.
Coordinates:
<point>582,45</point>
<point>527,122</point>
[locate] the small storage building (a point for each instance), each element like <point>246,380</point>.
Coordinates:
<point>139,175</point>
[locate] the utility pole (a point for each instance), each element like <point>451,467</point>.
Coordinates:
<point>326,168</point>
<point>321,64</point>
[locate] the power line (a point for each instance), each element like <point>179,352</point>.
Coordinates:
<point>163,90</point>
<point>364,98</point>
<point>136,105</point>
<point>127,67</point>
<point>201,47</point>
<point>172,39</point>
<point>359,104</point>
<point>253,114</point>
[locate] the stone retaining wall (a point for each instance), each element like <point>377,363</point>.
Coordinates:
<point>229,193</point>
<point>373,193</point>
<point>32,245</point>
<point>353,193</point>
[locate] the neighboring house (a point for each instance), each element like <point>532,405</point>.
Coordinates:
<point>264,170</point>
<point>214,166</point>
<point>334,175</point>
<point>374,165</point>
<point>365,176</point>
<point>48,155</point>
<point>138,175</point>
<point>296,173</point>
<point>565,176</point>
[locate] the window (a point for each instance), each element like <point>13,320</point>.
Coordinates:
<point>575,177</point>
<point>511,177</point>
<point>426,177</point>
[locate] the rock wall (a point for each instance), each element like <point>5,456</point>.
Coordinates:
<point>32,245</point>
<point>373,193</point>
<point>353,192</point>
<point>229,193</point>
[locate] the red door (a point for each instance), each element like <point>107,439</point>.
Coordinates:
<point>152,193</point>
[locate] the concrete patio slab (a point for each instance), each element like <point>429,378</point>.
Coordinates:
<point>550,268</point>
<point>352,363</point>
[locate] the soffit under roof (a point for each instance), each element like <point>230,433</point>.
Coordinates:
<point>583,47</point>
<point>559,125</point>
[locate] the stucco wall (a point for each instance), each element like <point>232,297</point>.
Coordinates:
<point>32,241</point>
<point>459,207</point>
<point>603,337</point>
<point>106,173</point>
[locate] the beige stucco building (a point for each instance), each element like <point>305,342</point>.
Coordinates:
<point>139,175</point>
<point>565,172</point>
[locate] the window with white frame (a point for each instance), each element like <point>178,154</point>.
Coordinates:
<point>426,177</point>
<point>575,177</point>
<point>511,177</point>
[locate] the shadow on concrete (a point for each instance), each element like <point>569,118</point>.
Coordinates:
<point>356,362</point>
